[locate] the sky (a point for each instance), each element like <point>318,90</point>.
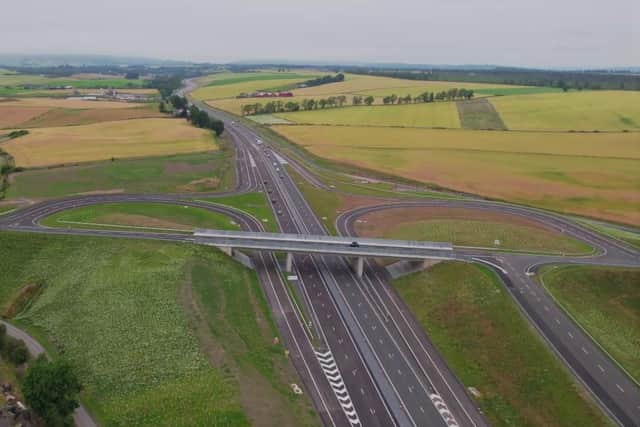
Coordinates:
<point>539,33</point>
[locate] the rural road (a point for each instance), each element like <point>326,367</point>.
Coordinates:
<point>81,416</point>
<point>362,357</point>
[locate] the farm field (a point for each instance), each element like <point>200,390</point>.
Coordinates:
<point>152,217</point>
<point>79,81</point>
<point>604,301</point>
<point>468,227</point>
<point>587,110</point>
<point>479,114</point>
<point>440,114</point>
<point>70,117</point>
<point>101,141</point>
<point>490,346</point>
<point>230,85</point>
<point>595,175</point>
<point>181,173</point>
<point>128,324</point>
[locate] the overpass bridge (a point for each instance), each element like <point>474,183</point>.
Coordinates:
<point>353,247</point>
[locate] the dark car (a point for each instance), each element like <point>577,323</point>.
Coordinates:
<point>355,245</point>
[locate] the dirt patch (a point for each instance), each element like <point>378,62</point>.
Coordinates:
<point>140,221</point>
<point>378,223</point>
<point>200,185</point>
<point>22,299</point>
<point>183,167</point>
<point>214,351</point>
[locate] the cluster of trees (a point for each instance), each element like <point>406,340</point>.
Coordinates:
<point>324,80</point>
<point>445,95</point>
<point>201,119</point>
<point>340,101</point>
<point>166,85</point>
<point>51,389</point>
<point>196,116</point>
<point>578,80</point>
<point>12,349</point>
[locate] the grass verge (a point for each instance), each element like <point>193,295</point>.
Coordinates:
<point>252,203</point>
<point>111,306</point>
<point>606,302</point>
<point>151,217</point>
<point>490,346</point>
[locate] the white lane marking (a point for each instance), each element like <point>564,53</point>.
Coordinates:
<point>584,350</point>
<point>620,388</point>
<point>331,371</point>
<point>601,368</point>
<point>442,408</point>
<point>570,335</point>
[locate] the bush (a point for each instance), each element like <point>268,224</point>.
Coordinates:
<point>12,349</point>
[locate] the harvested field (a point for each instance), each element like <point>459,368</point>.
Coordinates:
<point>596,175</point>
<point>234,89</point>
<point>100,141</point>
<point>440,114</point>
<point>68,117</point>
<point>467,227</point>
<point>479,114</point>
<point>67,103</point>
<point>588,111</point>
<point>12,116</point>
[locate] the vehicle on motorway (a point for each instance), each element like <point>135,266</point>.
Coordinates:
<point>355,245</point>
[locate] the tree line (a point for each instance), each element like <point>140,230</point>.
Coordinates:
<point>578,80</point>
<point>323,80</point>
<point>357,100</point>
<point>195,115</point>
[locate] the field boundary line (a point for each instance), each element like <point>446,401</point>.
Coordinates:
<point>124,226</point>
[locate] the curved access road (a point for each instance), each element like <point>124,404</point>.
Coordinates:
<point>613,388</point>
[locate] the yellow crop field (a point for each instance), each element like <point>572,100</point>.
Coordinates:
<point>439,114</point>
<point>67,103</point>
<point>590,174</point>
<point>101,141</point>
<point>587,110</point>
<point>11,116</point>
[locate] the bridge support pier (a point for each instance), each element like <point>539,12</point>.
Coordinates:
<point>227,250</point>
<point>358,265</point>
<point>288,266</point>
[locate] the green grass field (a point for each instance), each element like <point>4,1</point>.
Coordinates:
<point>515,90</point>
<point>468,228</point>
<point>595,175</point>
<point>439,114</point>
<point>173,174</point>
<point>255,204</point>
<point>606,302</point>
<point>629,236</point>
<point>123,312</point>
<point>587,111</point>
<point>152,217</point>
<point>484,338</point>
<point>479,114</point>
<point>226,79</point>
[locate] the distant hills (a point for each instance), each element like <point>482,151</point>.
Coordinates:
<point>25,60</point>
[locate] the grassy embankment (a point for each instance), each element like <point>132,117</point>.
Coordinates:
<point>469,227</point>
<point>606,302</point>
<point>591,174</point>
<point>159,333</point>
<point>489,345</point>
<point>255,204</point>
<point>152,217</point>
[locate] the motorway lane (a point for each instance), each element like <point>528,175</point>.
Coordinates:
<point>616,392</point>
<point>405,388</point>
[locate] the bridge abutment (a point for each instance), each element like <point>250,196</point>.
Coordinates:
<point>288,266</point>
<point>358,265</point>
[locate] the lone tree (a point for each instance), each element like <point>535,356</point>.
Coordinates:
<point>51,389</point>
